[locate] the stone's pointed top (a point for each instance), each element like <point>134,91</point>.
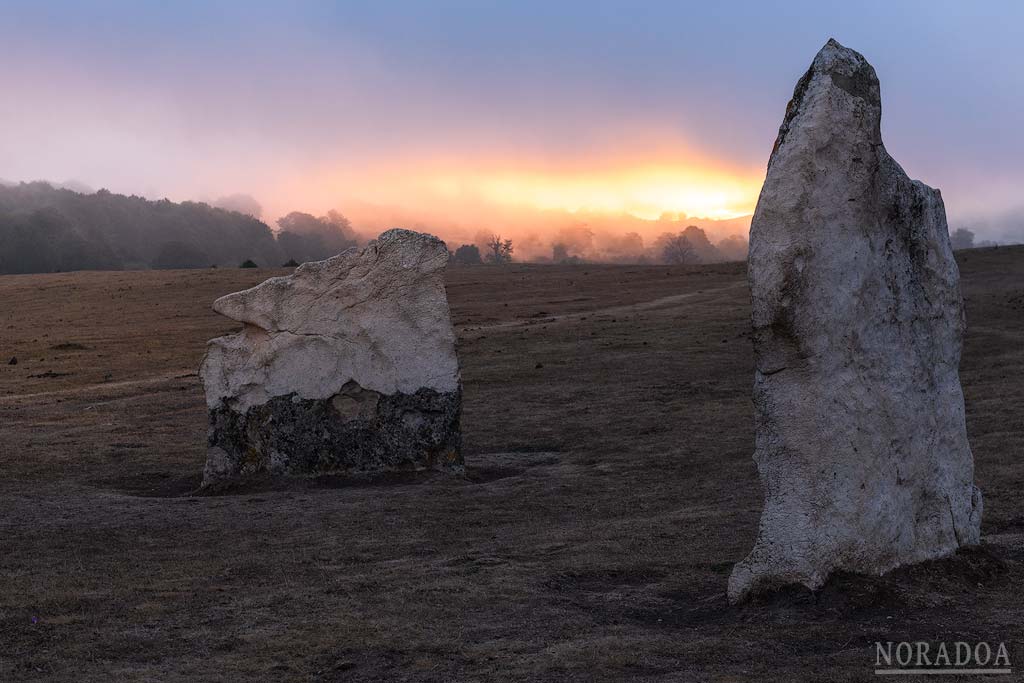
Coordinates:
<point>838,97</point>
<point>856,75</point>
<point>834,46</point>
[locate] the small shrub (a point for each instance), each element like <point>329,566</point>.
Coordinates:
<point>467,255</point>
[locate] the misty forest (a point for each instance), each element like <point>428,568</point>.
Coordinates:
<point>46,228</point>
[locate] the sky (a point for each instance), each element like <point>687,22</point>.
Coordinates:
<point>485,114</point>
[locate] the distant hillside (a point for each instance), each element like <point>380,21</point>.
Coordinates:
<point>45,229</point>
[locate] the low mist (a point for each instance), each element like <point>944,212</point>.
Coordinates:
<point>47,228</point>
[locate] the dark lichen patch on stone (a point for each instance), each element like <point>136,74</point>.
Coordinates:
<point>356,430</point>
<point>792,109</point>
<point>863,83</point>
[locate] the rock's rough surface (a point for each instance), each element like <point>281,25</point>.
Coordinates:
<point>347,365</point>
<point>858,319</point>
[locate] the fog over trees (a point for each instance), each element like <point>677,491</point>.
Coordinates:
<point>48,229</point>
<point>304,237</point>
<point>677,249</point>
<point>242,203</point>
<point>499,251</point>
<point>962,238</point>
<point>467,255</point>
<point>44,228</point>
<point>690,245</point>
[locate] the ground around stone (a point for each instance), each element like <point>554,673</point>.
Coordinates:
<point>608,434</point>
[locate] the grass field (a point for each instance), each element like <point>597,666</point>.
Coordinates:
<point>608,435</point>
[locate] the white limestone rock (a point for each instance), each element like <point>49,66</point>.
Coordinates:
<point>858,319</point>
<point>348,364</point>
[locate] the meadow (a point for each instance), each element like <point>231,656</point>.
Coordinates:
<point>608,432</point>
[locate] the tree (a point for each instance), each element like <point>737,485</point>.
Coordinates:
<point>499,251</point>
<point>467,255</point>
<point>301,248</point>
<point>304,237</point>
<point>627,248</point>
<point>248,263</point>
<point>299,223</point>
<point>734,248</point>
<point>290,264</point>
<point>676,249</point>
<point>336,220</point>
<point>962,238</point>
<point>703,250</point>
<point>560,254</point>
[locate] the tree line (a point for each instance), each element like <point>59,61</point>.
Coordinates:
<point>685,247</point>
<point>47,229</point>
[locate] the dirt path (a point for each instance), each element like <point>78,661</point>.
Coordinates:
<point>653,304</point>
<point>89,388</point>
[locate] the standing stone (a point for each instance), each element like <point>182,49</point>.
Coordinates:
<point>858,320</point>
<point>347,365</point>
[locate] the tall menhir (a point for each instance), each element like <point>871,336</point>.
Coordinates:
<point>858,320</point>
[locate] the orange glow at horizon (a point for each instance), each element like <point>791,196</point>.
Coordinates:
<point>639,187</point>
<point>645,192</point>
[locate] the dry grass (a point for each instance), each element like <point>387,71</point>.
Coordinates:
<point>608,433</point>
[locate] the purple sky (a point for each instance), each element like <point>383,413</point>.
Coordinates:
<point>490,107</point>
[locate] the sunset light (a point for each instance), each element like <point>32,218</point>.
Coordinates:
<point>644,191</point>
<point>521,196</point>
